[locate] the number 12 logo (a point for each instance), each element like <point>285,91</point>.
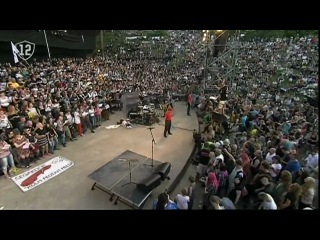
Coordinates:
<point>26,49</point>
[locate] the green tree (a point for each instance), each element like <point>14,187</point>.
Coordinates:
<point>114,39</point>
<point>251,34</point>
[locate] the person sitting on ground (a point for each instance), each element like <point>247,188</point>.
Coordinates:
<point>125,123</point>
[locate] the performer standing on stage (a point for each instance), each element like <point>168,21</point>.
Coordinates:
<point>168,118</point>
<point>189,102</point>
<point>223,96</point>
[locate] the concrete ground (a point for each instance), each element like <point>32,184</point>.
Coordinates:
<point>71,189</point>
<point>183,181</point>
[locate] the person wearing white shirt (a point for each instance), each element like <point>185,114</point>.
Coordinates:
<point>86,120</point>
<point>182,199</point>
<point>69,126</point>
<point>77,121</point>
<point>270,155</point>
<point>275,167</point>
<point>267,202</point>
<point>312,161</point>
<point>4,100</point>
<point>4,121</point>
<point>92,117</point>
<point>219,158</point>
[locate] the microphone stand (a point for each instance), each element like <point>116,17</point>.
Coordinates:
<point>130,176</point>
<point>153,142</point>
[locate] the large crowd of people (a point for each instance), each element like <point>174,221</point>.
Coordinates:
<point>257,154</point>
<point>47,104</point>
<point>264,153</point>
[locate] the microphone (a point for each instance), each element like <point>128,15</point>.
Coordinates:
<point>150,128</point>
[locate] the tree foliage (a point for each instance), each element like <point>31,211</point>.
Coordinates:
<point>265,34</point>
<point>115,39</point>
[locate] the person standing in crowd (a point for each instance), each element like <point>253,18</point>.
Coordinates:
<point>60,130</point>
<point>77,121</point>
<point>211,188</point>
<point>237,180</point>
<point>182,200</point>
<point>292,197</point>
<point>42,135</point>
<point>308,193</point>
<point>223,96</point>
<point>168,119</point>
<point>189,102</point>
<point>191,191</point>
<point>164,202</point>
<point>267,202</point>
<point>6,158</point>
<point>22,145</point>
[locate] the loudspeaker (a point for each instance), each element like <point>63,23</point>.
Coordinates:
<point>163,170</point>
<point>150,183</point>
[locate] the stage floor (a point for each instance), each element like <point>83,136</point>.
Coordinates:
<point>95,150</point>
<point>119,178</point>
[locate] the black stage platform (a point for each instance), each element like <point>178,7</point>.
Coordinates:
<point>114,178</point>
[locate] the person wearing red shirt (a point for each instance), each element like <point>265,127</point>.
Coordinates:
<point>189,101</point>
<point>168,118</point>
